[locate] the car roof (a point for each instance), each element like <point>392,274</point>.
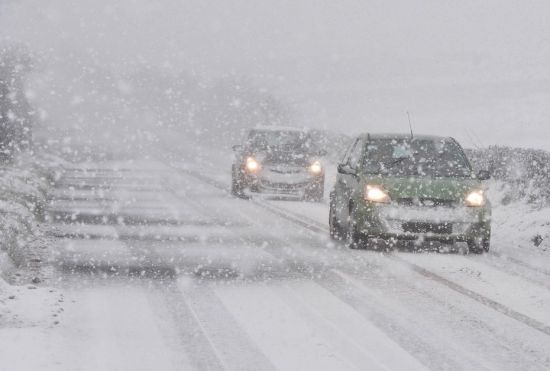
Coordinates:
<point>279,128</point>
<point>400,136</point>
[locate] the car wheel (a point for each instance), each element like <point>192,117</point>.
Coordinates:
<point>315,193</point>
<point>334,226</point>
<point>479,246</point>
<point>236,184</point>
<point>354,239</point>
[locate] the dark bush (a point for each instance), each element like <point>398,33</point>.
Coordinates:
<point>526,172</point>
<point>16,115</point>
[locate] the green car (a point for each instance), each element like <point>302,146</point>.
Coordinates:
<point>401,190</point>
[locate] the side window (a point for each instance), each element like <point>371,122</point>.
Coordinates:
<point>355,155</point>
<point>345,160</point>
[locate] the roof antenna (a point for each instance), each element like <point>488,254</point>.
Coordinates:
<point>410,124</point>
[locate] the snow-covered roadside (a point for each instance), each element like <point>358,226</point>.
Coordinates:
<point>519,226</point>
<point>522,232</point>
<point>23,246</point>
<point>26,314</point>
<point>28,306</point>
<point>23,194</point>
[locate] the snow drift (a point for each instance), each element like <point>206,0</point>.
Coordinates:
<point>23,196</point>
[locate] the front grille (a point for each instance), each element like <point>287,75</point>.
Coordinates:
<point>422,227</point>
<point>282,187</point>
<point>426,202</point>
<point>287,171</point>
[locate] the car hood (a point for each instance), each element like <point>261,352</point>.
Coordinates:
<point>419,188</point>
<point>293,158</point>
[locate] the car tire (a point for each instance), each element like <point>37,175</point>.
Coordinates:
<point>354,239</point>
<point>237,188</point>
<point>318,196</point>
<point>316,193</point>
<point>479,246</point>
<point>335,229</point>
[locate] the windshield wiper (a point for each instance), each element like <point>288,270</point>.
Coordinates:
<point>394,162</point>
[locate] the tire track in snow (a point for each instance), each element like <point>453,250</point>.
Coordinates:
<point>537,325</point>
<point>170,303</point>
<point>408,340</point>
<point>522,263</point>
<point>531,322</point>
<point>348,329</point>
<point>197,343</point>
<point>410,343</point>
<point>233,345</point>
<point>478,339</point>
<point>513,272</point>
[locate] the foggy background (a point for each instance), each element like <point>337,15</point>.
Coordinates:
<point>103,70</point>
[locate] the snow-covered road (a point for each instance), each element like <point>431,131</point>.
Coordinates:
<point>162,269</point>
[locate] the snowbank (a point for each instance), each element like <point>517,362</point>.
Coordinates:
<point>24,306</point>
<point>520,226</point>
<point>520,222</point>
<point>520,193</point>
<point>26,309</point>
<point>23,191</point>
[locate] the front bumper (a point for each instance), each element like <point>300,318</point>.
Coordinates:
<point>295,184</point>
<point>420,223</point>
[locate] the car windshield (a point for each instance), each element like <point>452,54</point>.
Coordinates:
<point>280,139</point>
<point>417,157</point>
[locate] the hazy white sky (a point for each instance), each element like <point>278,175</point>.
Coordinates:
<point>286,37</point>
<point>459,66</point>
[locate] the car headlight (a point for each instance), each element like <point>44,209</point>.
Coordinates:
<point>475,198</point>
<point>375,193</point>
<point>316,167</point>
<point>252,165</point>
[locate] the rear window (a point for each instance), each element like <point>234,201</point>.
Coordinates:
<point>416,157</point>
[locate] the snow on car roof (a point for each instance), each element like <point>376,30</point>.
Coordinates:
<point>401,136</point>
<point>278,128</point>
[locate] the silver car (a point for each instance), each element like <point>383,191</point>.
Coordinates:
<point>280,161</point>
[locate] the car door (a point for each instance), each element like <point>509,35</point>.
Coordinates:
<point>347,180</point>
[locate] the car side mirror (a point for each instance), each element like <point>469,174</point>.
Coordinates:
<point>237,147</point>
<point>346,169</point>
<point>483,175</point>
